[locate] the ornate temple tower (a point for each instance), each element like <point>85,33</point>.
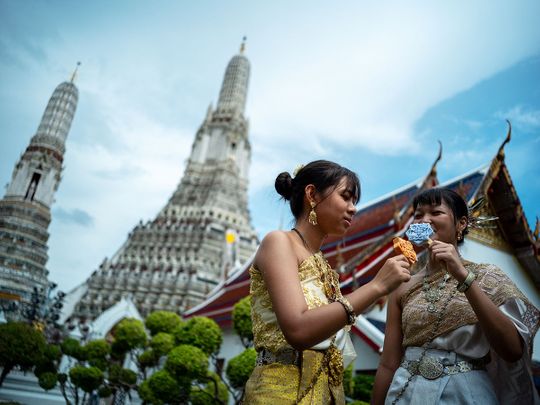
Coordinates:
<point>25,210</point>
<point>174,261</point>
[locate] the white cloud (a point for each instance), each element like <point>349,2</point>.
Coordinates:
<point>521,116</point>
<point>324,78</point>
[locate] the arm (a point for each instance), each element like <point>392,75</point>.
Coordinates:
<point>301,326</point>
<point>392,351</point>
<point>501,333</point>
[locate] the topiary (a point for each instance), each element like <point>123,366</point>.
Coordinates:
<point>240,367</point>
<point>200,332</point>
<point>71,347</point>
<point>96,349</point>
<point>162,321</point>
<point>162,343</point>
<point>162,386</point>
<point>241,317</point>
<point>86,378</point>
<point>47,380</point>
<point>206,395</point>
<point>129,334</point>
<point>186,361</point>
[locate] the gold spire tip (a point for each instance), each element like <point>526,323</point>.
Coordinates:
<point>243,45</point>
<point>74,75</point>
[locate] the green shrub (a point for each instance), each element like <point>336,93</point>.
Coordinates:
<point>363,386</point>
<point>86,378</point>
<point>200,332</point>
<point>205,395</point>
<point>71,347</point>
<point>241,316</point>
<point>162,321</point>
<point>47,380</point>
<point>129,334</point>
<point>164,387</point>
<point>187,361</point>
<point>162,343</point>
<point>240,367</point>
<point>96,349</point>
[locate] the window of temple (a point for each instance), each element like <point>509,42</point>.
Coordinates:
<point>32,187</point>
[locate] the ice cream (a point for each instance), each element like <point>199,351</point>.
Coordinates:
<point>419,234</point>
<point>404,247</point>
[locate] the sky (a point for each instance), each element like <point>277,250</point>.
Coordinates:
<point>371,85</point>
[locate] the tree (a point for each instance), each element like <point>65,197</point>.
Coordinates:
<point>162,321</point>
<point>200,332</point>
<point>240,368</point>
<point>241,316</point>
<point>20,346</point>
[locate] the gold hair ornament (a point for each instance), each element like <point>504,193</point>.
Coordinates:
<point>298,168</point>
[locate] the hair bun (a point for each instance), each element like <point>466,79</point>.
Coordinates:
<point>284,185</point>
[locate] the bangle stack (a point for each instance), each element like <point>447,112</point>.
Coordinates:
<point>351,316</point>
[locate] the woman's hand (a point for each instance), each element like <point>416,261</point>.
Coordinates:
<point>447,254</point>
<point>394,272</point>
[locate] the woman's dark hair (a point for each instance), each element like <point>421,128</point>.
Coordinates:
<point>323,174</point>
<point>456,203</point>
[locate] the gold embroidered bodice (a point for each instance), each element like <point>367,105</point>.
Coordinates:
<point>417,323</point>
<point>312,271</point>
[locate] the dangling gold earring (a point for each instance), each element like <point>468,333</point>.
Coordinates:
<point>460,236</point>
<point>312,218</point>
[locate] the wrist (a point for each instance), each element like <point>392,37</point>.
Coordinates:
<point>377,289</point>
<point>460,274</point>
<point>464,285</point>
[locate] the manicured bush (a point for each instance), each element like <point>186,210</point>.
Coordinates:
<point>200,332</point>
<point>240,367</point>
<point>241,316</point>
<point>187,361</point>
<point>162,321</point>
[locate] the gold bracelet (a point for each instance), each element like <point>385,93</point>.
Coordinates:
<point>349,310</point>
<point>466,284</point>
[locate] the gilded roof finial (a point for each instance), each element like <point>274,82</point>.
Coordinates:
<point>433,171</point>
<point>243,45</point>
<point>500,153</point>
<point>74,75</point>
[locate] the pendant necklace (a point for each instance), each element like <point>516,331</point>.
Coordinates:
<point>432,294</point>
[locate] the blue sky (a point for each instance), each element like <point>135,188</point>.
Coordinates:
<point>372,85</point>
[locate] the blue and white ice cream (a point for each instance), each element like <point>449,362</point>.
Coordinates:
<point>419,234</point>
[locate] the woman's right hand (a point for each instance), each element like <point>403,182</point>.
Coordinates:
<point>394,272</point>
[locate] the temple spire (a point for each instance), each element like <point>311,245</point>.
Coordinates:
<point>243,45</point>
<point>74,75</point>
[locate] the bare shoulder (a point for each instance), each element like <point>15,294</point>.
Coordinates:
<point>274,244</point>
<point>276,240</point>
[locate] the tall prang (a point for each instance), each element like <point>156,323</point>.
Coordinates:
<point>173,262</point>
<point>25,210</point>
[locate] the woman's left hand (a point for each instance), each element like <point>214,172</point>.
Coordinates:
<point>446,253</point>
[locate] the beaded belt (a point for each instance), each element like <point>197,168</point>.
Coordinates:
<point>432,368</point>
<point>286,357</point>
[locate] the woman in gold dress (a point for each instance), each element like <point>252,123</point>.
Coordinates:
<point>300,318</point>
<point>459,332</point>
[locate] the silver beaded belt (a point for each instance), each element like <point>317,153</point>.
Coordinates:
<point>432,368</point>
<point>285,357</point>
